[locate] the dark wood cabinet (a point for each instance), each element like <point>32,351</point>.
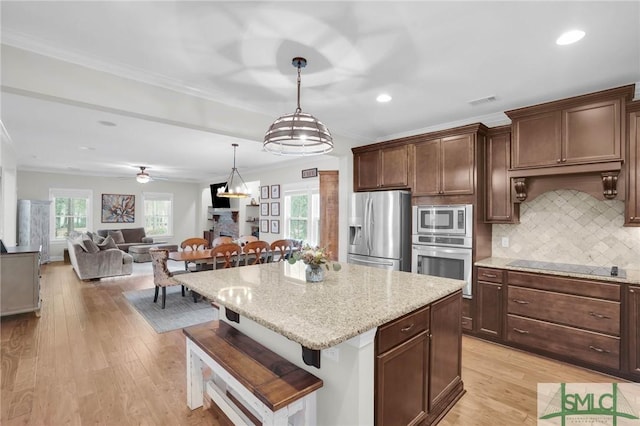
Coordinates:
<point>633,329</point>
<point>580,130</point>
<point>418,364</point>
<point>403,373</point>
<point>499,208</point>
<point>490,302</point>
<point>444,166</point>
<point>381,168</point>
<point>632,210</point>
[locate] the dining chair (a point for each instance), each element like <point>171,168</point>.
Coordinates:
<point>221,240</point>
<point>227,255</point>
<point>162,277</point>
<point>260,252</point>
<point>244,239</point>
<point>283,249</point>
<point>193,244</point>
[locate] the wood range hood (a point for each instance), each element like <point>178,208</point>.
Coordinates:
<point>576,143</point>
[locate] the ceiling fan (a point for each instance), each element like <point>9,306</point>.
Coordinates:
<point>144,177</point>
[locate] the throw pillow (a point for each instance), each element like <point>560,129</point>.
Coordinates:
<point>90,245</point>
<point>97,239</point>
<point>117,236</point>
<point>108,243</point>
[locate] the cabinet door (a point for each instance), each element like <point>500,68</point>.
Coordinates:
<point>365,173</point>
<point>632,215</point>
<point>457,165</point>
<point>633,321</point>
<point>591,133</point>
<point>446,347</point>
<point>401,389</point>
<point>489,308</point>
<point>394,166</point>
<point>427,168</point>
<point>537,140</point>
<point>498,205</point>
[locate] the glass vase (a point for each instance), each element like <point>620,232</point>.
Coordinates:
<point>314,273</point>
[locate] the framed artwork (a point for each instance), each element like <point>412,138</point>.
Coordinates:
<point>275,191</point>
<point>264,226</point>
<point>275,226</point>
<point>264,192</point>
<point>275,208</point>
<point>118,208</point>
<point>309,173</point>
<point>264,209</point>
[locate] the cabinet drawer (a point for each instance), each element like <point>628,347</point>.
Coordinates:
<point>583,312</point>
<point>395,332</point>
<point>588,288</point>
<point>491,275</point>
<point>586,346</point>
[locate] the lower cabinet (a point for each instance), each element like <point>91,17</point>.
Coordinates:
<point>418,364</point>
<point>633,327</point>
<point>490,301</point>
<point>20,281</point>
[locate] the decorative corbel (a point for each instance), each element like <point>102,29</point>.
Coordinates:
<point>520,187</point>
<point>234,216</point>
<point>609,184</point>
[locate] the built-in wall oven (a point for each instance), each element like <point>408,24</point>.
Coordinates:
<point>442,242</point>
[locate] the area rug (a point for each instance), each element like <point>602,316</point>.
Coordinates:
<point>179,312</point>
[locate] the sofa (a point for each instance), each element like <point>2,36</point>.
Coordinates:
<point>93,261</point>
<point>126,237</point>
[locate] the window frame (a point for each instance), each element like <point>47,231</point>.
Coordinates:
<point>68,193</point>
<point>312,190</point>
<point>158,196</point>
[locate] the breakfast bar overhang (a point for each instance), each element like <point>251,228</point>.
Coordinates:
<point>358,321</point>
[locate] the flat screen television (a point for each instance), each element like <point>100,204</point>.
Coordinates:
<point>219,202</point>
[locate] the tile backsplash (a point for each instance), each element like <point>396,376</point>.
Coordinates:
<point>567,226</point>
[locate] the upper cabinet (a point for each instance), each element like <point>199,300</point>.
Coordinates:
<point>444,166</point>
<point>632,211</point>
<point>575,131</point>
<point>499,208</point>
<point>380,168</point>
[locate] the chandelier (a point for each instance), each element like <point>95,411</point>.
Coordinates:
<point>299,133</point>
<point>235,186</point>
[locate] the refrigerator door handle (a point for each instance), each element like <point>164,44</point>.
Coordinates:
<point>369,222</point>
<point>375,263</point>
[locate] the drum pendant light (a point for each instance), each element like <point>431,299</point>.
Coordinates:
<point>299,133</point>
<point>235,187</point>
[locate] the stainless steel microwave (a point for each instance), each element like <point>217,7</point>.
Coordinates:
<point>444,220</point>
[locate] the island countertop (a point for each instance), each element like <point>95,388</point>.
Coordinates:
<point>319,315</point>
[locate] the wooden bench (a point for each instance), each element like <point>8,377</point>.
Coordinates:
<point>248,382</point>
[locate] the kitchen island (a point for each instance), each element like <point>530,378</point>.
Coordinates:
<point>366,326</point>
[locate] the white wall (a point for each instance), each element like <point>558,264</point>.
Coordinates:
<point>186,200</point>
<point>8,192</point>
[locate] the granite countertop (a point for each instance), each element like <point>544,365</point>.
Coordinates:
<point>628,276</point>
<point>319,315</point>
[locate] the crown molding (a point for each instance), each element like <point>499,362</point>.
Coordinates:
<point>45,48</point>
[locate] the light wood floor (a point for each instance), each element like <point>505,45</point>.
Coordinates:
<point>92,359</point>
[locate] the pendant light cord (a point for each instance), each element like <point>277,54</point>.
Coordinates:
<point>298,110</point>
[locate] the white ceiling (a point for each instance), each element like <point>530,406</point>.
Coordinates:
<point>235,59</point>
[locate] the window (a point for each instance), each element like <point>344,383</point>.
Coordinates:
<point>71,211</point>
<point>158,214</point>
<point>302,214</point>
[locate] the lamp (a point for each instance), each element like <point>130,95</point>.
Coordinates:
<point>299,133</point>
<point>235,187</point>
<point>143,177</point>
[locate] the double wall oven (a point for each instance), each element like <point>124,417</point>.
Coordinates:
<point>442,242</point>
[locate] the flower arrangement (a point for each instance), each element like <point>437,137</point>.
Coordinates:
<point>315,257</point>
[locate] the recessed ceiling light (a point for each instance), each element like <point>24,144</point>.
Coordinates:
<point>107,123</point>
<point>86,148</point>
<point>570,37</point>
<point>383,97</point>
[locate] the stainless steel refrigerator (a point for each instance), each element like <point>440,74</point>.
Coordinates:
<point>380,230</point>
